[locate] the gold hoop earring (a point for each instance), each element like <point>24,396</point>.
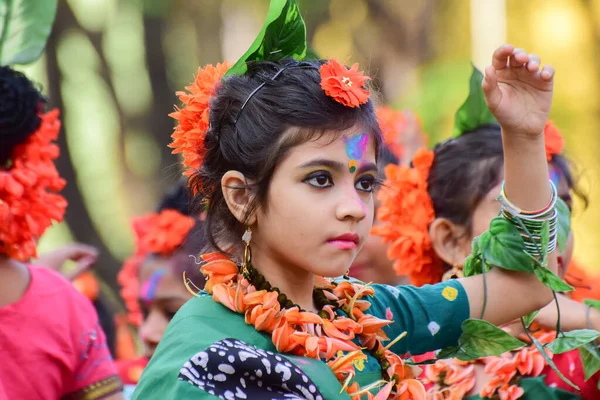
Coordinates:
<point>455,273</point>
<point>246,238</point>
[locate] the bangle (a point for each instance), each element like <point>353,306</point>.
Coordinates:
<point>516,211</point>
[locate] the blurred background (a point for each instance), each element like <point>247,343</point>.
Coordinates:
<point>113,66</point>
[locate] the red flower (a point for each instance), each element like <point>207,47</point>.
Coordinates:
<point>346,86</point>
<point>192,118</point>
<point>553,139</point>
<point>29,199</point>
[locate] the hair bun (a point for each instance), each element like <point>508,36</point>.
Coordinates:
<point>19,109</point>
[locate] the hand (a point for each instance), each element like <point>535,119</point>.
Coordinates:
<point>84,255</point>
<point>517,92</point>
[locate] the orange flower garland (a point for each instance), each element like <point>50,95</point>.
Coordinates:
<point>405,213</point>
<point>29,186</point>
<point>315,336</point>
<point>392,124</point>
<point>553,140</point>
<point>192,118</point>
<point>346,86</point>
<point>154,233</point>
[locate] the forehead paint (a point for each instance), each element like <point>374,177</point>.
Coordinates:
<point>554,175</point>
<point>355,149</point>
<point>149,287</point>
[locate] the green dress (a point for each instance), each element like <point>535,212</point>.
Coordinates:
<point>209,352</point>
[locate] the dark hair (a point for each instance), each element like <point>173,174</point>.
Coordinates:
<point>465,169</point>
<point>568,171</point>
<point>177,198</point>
<point>20,103</point>
<point>253,141</point>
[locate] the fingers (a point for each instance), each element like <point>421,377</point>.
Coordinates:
<point>500,57</point>
<point>492,92</point>
<point>547,73</point>
<point>78,251</point>
<point>82,266</point>
<point>533,64</point>
<point>518,58</point>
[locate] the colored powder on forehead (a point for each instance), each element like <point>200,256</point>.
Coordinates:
<point>356,146</point>
<point>151,285</point>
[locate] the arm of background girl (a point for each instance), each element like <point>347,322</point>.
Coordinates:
<point>519,95</point>
<point>573,315</point>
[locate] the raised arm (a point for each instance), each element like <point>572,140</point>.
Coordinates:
<point>519,95</point>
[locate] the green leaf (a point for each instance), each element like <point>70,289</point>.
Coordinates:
<point>448,352</point>
<point>480,339</point>
<point>592,303</point>
<point>528,319</point>
<point>506,247</point>
<point>544,240</point>
<point>474,112</point>
<point>590,358</point>
<point>564,224</point>
<point>542,351</point>
<point>283,35</point>
<point>473,265</point>
<point>571,340</point>
<point>24,29</point>
<point>550,280</point>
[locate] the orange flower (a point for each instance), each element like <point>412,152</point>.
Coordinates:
<point>154,233</point>
<point>29,199</point>
<point>392,124</point>
<point>405,213</point>
<point>411,389</point>
<point>346,86</point>
<point>529,362</point>
<point>192,118</point>
<point>512,392</point>
<point>553,140</point>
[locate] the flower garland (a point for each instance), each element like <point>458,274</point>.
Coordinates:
<point>455,379</point>
<point>154,233</point>
<point>402,131</point>
<point>553,140</point>
<point>405,213</point>
<point>192,118</point>
<point>318,336</point>
<point>346,86</point>
<point>29,186</point>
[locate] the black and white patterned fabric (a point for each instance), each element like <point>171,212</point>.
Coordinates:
<point>231,369</point>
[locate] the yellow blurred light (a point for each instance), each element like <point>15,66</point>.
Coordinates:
<point>350,12</point>
<point>142,154</point>
<point>557,25</point>
<point>93,14</point>
<point>93,132</point>
<point>333,39</point>
<point>123,47</point>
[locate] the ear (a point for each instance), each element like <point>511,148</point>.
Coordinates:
<point>448,241</point>
<point>237,195</point>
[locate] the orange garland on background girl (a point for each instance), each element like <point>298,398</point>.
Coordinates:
<point>405,213</point>
<point>29,186</point>
<point>319,336</point>
<point>154,234</point>
<point>553,140</point>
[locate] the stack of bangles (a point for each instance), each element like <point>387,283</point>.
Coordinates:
<point>530,224</point>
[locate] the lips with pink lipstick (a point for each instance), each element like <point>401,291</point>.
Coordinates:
<point>347,241</point>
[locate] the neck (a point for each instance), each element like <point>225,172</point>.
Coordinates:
<point>14,279</point>
<point>296,283</point>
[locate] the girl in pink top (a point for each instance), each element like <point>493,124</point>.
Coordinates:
<point>51,346</point>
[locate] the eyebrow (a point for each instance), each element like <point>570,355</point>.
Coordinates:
<point>339,166</point>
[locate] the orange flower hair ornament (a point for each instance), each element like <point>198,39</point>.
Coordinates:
<point>405,214</point>
<point>160,234</point>
<point>192,117</point>
<point>346,86</point>
<point>29,186</point>
<point>553,140</point>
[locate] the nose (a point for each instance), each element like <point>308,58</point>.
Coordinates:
<point>151,331</point>
<point>350,205</point>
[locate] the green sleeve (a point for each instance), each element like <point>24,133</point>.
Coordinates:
<point>431,315</point>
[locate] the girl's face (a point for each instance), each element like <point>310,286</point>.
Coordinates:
<point>161,295</point>
<point>489,208</point>
<point>319,206</point>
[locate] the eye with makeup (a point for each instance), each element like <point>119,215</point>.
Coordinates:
<point>367,183</point>
<point>319,179</point>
